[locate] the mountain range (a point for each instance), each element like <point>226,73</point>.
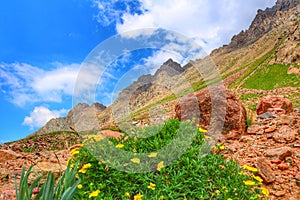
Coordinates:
<point>270,45</point>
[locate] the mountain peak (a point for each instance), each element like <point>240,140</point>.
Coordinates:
<point>263,22</point>
<point>171,67</point>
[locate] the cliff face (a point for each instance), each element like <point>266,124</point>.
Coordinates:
<point>147,89</point>
<point>81,118</point>
<point>264,22</point>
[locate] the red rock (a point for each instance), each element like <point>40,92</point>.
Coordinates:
<point>201,108</point>
<point>264,170</point>
<point>270,129</point>
<point>279,193</point>
<point>275,161</point>
<point>255,129</point>
<point>297,176</point>
<point>279,153</point>
<point>8,155</point>
<point>285,134</point>
<point>7,194</point>
<point>283,166</point>
<point>278,105</point>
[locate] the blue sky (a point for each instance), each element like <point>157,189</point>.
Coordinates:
<point>44,43</point>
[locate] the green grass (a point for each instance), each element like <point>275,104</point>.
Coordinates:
<point>190,176</point>
<point>272,77</point>
<point>251,67</point>
<point>250,96</point>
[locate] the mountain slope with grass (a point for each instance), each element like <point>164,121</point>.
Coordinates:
<point>264,57</point>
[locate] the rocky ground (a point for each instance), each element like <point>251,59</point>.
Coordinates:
<point>46,153</point>
<point>271,144</point>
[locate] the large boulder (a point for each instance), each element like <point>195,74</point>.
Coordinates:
<point>274,104</point>
<point>220,111</point>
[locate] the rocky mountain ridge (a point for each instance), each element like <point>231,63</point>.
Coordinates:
<point>274,33</point>
<point>81,118</point>
<point>264,22</point>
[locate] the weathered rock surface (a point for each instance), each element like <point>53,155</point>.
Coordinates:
<point>264,170</point>
<point>280,153</point>
<point>274,154</point>
<point>200,106</point>
<point>81,118</point>
<point>264,22</point>
<point>274,104</point>
<point>8,155</point>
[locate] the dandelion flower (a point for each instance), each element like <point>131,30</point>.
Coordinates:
<point>127,195</point>
<point>152,155</point>
<point>79,186</point>
<point>222,147</point>
<point>119,146</point>
<point>258,179</point>
<point>265,191</point>
<point>135,160</point>
<point>151,186</point>
<point>201,130</point>
<point>94,194</point>
<point>252,169</point>
<point>75,151</point>
<point>217,192</point>
<point>160,165</point>
<point>84,168</point>
<point>249,182</point>
<point>138,196</point>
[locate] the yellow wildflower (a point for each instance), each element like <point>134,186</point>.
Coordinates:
<point>258,179</point>
<point>161,197</point>
<point>217,192</point>
<point>79,186</point>
<point>229,199</point>
<point>134,150</point>
<point>120,146</point>
<point>221,147</point>
<point>135,160</point>
<point>242,173</point>
<point>152,155</point>
<point>127,195</point>
<point>201,130</point>
<point>94,194</point>
<point>249,182</point>
<point>138,197</point>
<point>84,168</point>
<point>252,169</point>
<point>151,186</point>
<point>160,165</point>
<point>75,151</point>
<point>265,191</point>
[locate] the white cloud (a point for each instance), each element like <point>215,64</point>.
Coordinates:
<point>23,83</point>
<point>40,116</point>
<point>212,21</point>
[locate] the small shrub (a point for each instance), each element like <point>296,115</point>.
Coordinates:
<point>190,176</point>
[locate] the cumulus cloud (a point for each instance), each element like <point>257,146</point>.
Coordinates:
<point>211,23</point>
<point>40,116</point>
<point>22,83</point>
